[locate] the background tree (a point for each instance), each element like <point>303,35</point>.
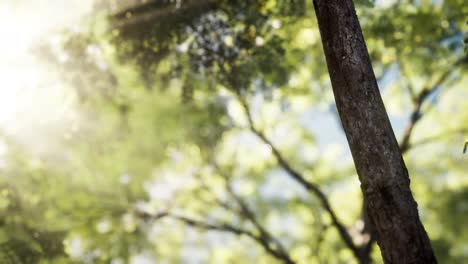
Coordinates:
<point>204,131</point>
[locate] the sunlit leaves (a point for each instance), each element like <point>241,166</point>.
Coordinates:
<point>160,128</point>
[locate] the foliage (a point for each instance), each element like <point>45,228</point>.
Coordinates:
<point>192,121</point>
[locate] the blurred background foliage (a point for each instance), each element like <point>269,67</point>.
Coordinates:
<point>178,110</point>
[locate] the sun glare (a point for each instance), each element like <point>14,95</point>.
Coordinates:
<point>31,93</point>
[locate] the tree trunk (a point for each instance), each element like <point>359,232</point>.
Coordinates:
<point>377,157</point>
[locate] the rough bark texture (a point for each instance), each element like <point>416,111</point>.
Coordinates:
<point>379,164</point>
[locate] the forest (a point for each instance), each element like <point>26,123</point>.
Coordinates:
<point>232,131</point>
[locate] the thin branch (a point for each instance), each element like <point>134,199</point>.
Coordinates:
<point>342,230</point>
<point>416,114</point>
<point>224,227</point>
<point>250,215</point>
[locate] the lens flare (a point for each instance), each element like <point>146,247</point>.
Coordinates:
<point>32,96</point>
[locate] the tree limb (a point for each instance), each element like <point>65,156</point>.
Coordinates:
<point>225,227</point>
<point>416,114</point>
<point>250,215</point>
<point>311,187</point>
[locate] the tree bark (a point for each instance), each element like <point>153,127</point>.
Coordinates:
<point>382,172</point>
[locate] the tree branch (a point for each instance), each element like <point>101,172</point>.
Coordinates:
<point>224,227</point>
<point>416,114</point>
<point>250,215</point>
<point>311,187</point>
